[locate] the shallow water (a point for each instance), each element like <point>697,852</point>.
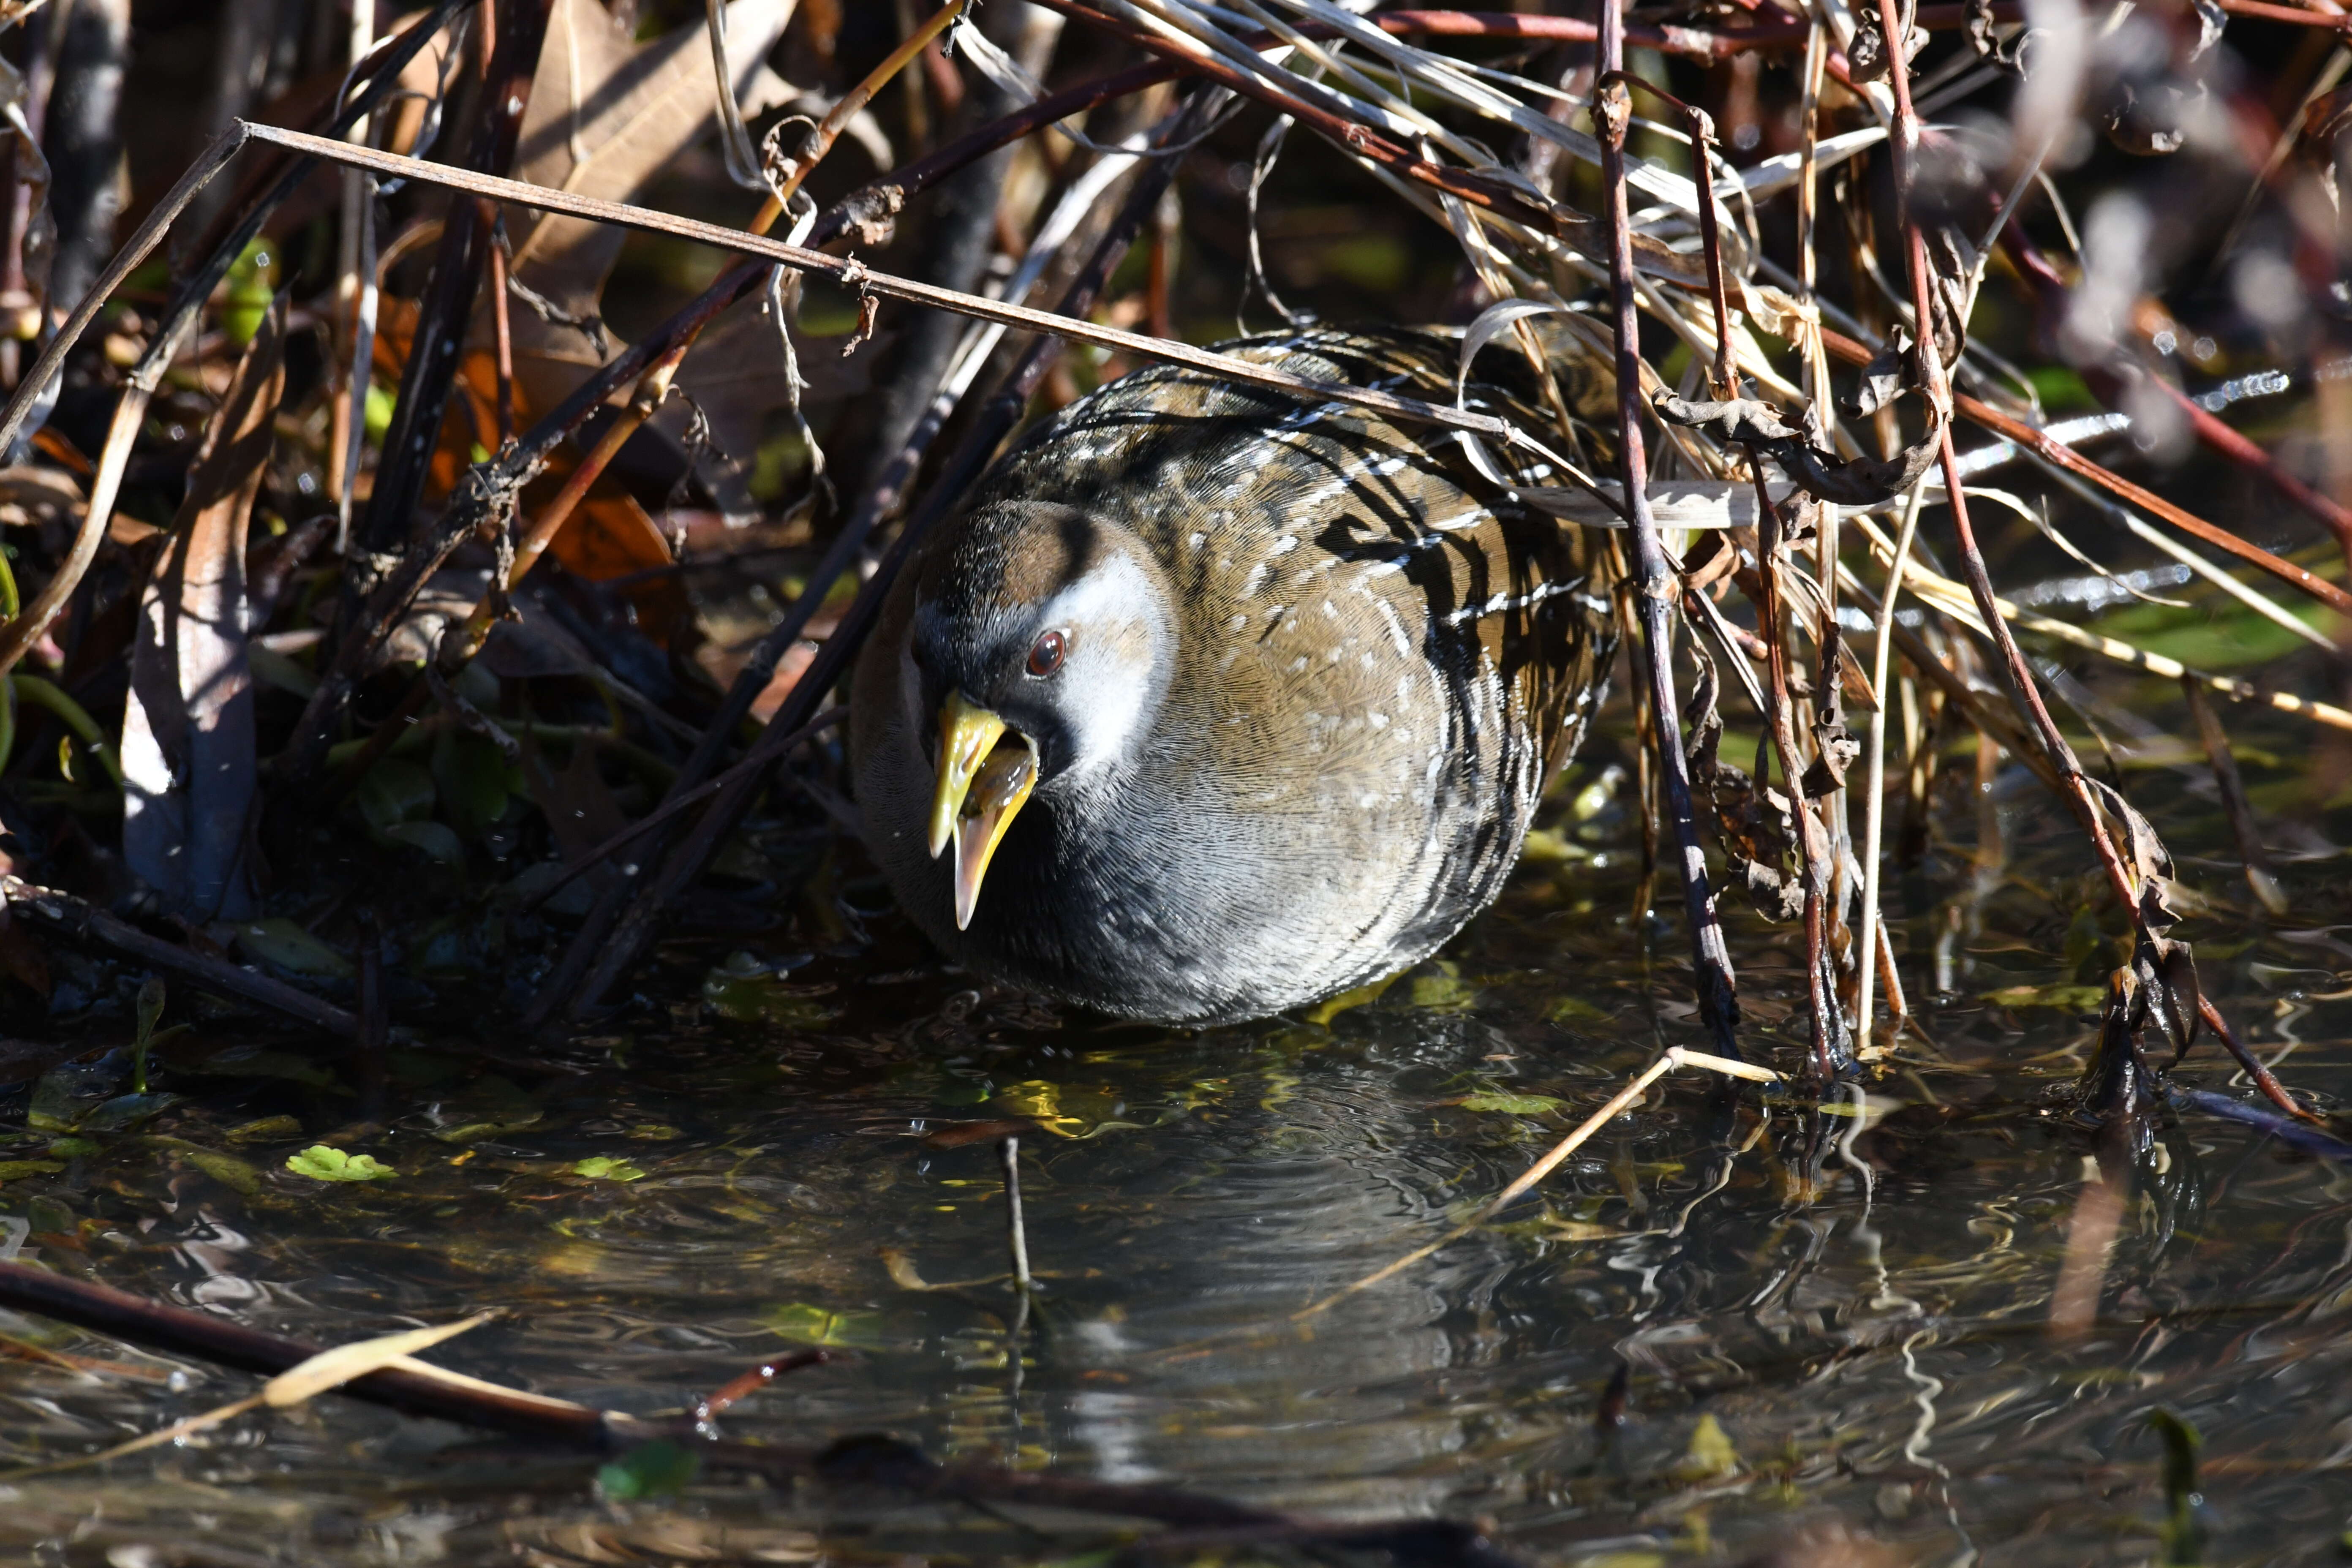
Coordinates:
<point>1835,1319</point>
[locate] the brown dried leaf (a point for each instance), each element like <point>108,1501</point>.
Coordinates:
<point>606,115</point>
<point>1819,472</point>
<point>1838,749</point>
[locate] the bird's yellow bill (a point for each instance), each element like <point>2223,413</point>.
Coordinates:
<point>985,775</point>
<point>967,733</point>
<point>1004,782</point>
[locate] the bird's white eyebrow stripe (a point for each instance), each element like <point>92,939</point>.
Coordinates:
<point>1105,713</point>
<point>1102,588</point>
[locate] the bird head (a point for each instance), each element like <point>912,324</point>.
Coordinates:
<point>1043,642</point>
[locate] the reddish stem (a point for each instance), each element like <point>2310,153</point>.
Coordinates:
<point>2114,484</point>
<point>743,1387</point>
<point>2273,1090</point>
<point>1906,143</point>
<point>502,329</point>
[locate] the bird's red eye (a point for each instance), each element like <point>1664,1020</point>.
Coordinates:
<point>1045,654</point>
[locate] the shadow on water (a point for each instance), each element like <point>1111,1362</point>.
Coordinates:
<point>1834,1325</point>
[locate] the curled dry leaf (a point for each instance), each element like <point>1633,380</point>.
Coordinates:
<point>1883,379</point>
<point>1837,751</point>
<point>1753,826</point>
<point>2163,987</point>
<point>1868,57</point>
<point>1819,472</point>
<point>1978,19</point>
<point>2152,118</point>
<point>607,114</point>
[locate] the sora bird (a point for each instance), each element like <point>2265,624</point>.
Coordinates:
<point>1214,701</point>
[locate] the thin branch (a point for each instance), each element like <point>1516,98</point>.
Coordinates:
<point>1718,998</point>
<point>1874,802</point>
<point>70,919</point>
<point>680,800</point>
<point>446,313</point>
<point>826,131</point>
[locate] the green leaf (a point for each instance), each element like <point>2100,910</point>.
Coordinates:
<point>471,779</point>
<point>378,414</point>
<point>125,1112</point>
<point>2067,998</point>
<point>1710,1456</point>
<point>660,1469</point>
<point>1570,1010</point>
<point>1546,846</point>
<point>249,286</point>
<point>1378,263</point>
<point>435,840</point>
<point>1323,1011</point>
<point>393,792</point>
<point>2062,390</point>
<point>150,1005</point>
<point>10,1170</point>
<point>226,1169</point>
<point>1510,1104</point>
<point>606,1170</point>
<point>322,1163</point>
<point>1444,992</point>
<point>488,1104</point>
<point>67,1093</point>
<point>268,1129</point>
<point>1593,798</point>
<point>765,999</point>
<point>2215,638</point>
<point>272,669</point>
<point>1067,1110</point>
<point>280,942</point>
<point>253,1062</point>
<point>813,1325</point>
<point>2184,1533</point>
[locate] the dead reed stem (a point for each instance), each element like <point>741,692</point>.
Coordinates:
<point>1655,578</point>
<point>1873,807</point>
